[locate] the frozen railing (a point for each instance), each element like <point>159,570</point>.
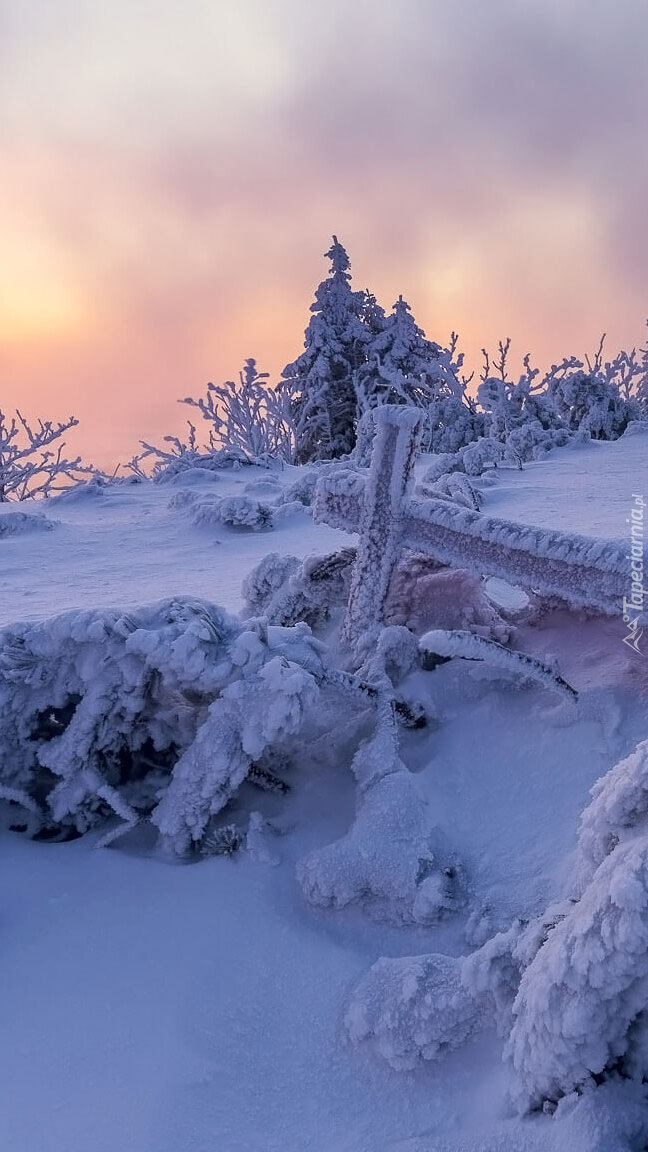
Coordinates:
<point>580,571</point>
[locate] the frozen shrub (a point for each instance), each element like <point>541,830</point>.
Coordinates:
<point>451,423</point>
<point>412,1008</point>
<point>31,458</point>
<point>249,418</point>
<point>590,401</point>
<point>442,464</point>
<point>286,589</point>
<point>484,453</point>
<point>231,511</point>
<point>302,489</point>
<point>154,714</point>
<point>452,486</point>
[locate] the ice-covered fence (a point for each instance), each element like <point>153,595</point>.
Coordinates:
<point>580,571</point>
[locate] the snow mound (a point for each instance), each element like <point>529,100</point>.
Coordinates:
<point>231,511</point>
<point>393,860</point>
<point>412,1008</point>
<point>15,523</point>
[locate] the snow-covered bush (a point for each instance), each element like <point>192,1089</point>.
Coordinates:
<point>618,807</point>
<point>412,1008</point>
<point>29,465</point>
<point>568,989</point>
<point>183,458</point>
<point>534,413</point>
<point>451,423</point>
<point>231,511</point>
<point>286,589</point>
<point>302,490</point>
<point>452,486</point>
<point>589,401</point>
<point>82,492</point>
<point>155,714</point>
<point>249,418</point>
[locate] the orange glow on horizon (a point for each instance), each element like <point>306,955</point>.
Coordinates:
<point>170,184</point>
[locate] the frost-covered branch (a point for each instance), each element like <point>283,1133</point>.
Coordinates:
<point>29,465</point>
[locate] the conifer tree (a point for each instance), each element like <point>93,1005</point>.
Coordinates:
<point>403,366</point>
<point>322,379</point>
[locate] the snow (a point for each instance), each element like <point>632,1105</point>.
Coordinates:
<point>130,548</point>
<point>150,1007</point>
<point>586,488</point>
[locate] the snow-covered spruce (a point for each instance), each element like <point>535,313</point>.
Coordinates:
<point>618,808</point>
<point>581,1008</point>
<point>158,713</point>
<point>320,382</point>
<point>468,646</point>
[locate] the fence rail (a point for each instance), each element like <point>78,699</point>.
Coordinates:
<point>582,572</point>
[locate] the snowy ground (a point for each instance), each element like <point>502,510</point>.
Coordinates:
<point>146,1007</point>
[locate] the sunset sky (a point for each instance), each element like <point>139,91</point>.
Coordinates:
<point>171,174</point>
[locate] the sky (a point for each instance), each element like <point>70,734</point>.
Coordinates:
<point>171,174</point>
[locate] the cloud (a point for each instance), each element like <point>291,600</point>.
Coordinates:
<point>174,174</point>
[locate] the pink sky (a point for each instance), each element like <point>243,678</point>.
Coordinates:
<point>171,175</point>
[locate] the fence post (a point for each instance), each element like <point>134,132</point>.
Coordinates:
<point>394,451</point>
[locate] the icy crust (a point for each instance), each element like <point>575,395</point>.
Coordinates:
<point>158,712</point>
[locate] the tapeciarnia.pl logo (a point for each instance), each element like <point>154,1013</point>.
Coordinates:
<point>633,605</point>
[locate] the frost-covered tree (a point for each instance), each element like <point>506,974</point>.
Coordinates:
<point>249,417</point>
<point>31,458</point>
<point>158,714</point>
<point>321,380</point>
<point>534,412</point>
<point>403,366</point>
<point>248,423</point>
